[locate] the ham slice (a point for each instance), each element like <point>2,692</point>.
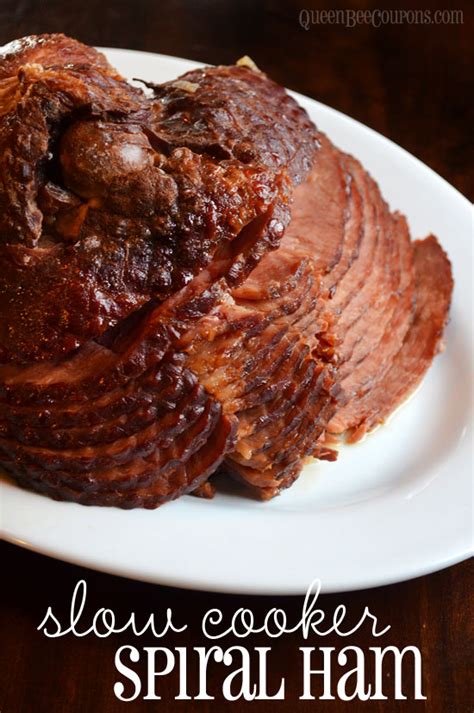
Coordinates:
<point>423,340</point>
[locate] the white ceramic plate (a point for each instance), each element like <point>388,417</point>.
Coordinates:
<point>396,506</point>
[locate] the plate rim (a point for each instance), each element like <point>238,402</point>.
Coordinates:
<point>244,590</point>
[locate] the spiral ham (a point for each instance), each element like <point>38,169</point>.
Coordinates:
<point>192,279</point>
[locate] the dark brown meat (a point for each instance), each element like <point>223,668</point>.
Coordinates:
<point>99,213</point>
<point>234,113</point>
<point>159,317</point>
<point>166,474</point>
<point>49,50</point>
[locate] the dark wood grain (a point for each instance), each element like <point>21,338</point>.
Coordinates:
<point>72,675</point>
<point>412,84</point>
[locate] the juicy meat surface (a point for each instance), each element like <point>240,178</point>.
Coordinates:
<point>422,341</point>
<point>105,204</point>
<point>192,279</point>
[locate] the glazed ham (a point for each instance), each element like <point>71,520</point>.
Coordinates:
<point>192,279</point>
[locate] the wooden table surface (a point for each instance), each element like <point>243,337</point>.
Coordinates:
<point>409,82</point>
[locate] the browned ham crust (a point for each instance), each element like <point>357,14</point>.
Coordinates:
<point>106,202</point>
<point>161,316</point>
